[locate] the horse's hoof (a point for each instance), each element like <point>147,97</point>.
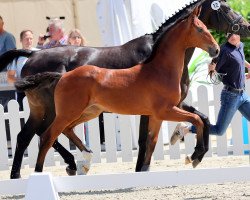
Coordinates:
<point>87,155</point>
<point>188,160</point>
<point>15,176</point>
<point>82,167</point>
<point>195,163</point>
<point>70,172</point>
<point>145,168</point>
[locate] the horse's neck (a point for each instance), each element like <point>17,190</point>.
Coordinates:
<point>171,51</point>
<point>206,16</point>
<point>141,47</point>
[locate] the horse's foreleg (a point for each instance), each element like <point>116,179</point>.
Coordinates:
<point>23,140</point>
<point>177,114</point>
<point>153,133</point>
<point>206,123</point>
<point>143,134</point>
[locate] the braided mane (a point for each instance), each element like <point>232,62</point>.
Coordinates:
<point>171,22</point>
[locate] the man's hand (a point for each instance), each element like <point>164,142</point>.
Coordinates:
<point>248,75</point>
<point>247,65</point>
<point>41,39</point>
<point>211,69</point>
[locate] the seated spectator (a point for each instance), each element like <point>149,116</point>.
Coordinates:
<point>75,38</point>
<point>14,69</point>
<point>57,35</point>
<point>7,40</point>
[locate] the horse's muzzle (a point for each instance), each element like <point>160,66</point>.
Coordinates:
<point>245,32</point>
<point>214,51</point>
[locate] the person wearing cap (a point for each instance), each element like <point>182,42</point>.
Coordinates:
<point>231,62</point>
<point>7,40</point>
<point>56,33</point>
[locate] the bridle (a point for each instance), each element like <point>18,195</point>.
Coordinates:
<point>234,25</point>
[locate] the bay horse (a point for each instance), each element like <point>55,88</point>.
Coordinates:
<point>151,88</point>
<point>135,51</point>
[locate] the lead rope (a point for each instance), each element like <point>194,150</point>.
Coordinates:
<point>214,77</point>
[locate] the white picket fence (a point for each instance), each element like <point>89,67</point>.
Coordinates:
<point>228,144</point>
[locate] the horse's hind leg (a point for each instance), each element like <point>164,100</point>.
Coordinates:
<point>152,137</point>
<point>87,153</point>
<point>70,134</point>
<point>89,113</point>
<point>206,123</point>
<point>23,139</point>
<point>143,135</point>
<point>66,155</point>
<point>47,139</point>
<point>58,126</point>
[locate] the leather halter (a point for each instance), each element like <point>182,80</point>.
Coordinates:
<point>234,25</point>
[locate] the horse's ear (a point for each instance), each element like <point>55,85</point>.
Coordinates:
<point>197,11</point>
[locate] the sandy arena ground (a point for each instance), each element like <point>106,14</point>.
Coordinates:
<point>237,191</point>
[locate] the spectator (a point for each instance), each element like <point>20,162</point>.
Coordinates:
<point>75,38</point>
<point>57,35</point>
<point>14,69</point>
<point>7,40</point>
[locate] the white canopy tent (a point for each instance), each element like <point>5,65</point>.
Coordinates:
<point>26,14</point>
<point>123,20</point>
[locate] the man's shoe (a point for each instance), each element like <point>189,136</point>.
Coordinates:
<point>178,133</point>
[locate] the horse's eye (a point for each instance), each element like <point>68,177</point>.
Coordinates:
<point>200,30</point>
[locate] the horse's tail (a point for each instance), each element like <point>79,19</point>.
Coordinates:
<point>10,55</point>
<point>37,80</point>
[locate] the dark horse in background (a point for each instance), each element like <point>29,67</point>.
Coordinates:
<point>136,51</point>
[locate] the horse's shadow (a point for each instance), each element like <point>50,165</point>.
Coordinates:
<point>15,197</point>
<point>101,192</point>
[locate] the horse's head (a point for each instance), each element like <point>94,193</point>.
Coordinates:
<point>199,36</point>
<point>218,15</point>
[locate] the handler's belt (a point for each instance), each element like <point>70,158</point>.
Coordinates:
<point>234,90</point>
